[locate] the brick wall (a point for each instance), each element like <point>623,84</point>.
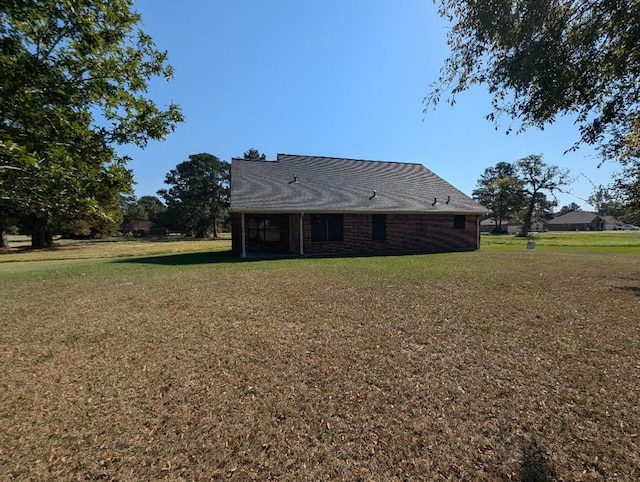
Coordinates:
<point>405,233</point>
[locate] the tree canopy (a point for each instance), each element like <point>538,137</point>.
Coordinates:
<point>519,190</point>
<point>538,177</point>
<point>147,208</point>
<point>199,195</point>
<point>548,58</point>
<point>501,191</point>
<point>625,201</point>
<point>253,154</point>
<point>73,87</point>
<point>569,208</point>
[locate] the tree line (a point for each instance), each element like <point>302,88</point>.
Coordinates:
<point>525,191</point>
<point>519,190</point>
<point>196,203</point>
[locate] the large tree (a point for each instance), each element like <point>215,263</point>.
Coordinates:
<point>569,208</point>
<point>253,154</point>
<point>147,208</point>
<point>538,178</point>
<point>153,208</point>
<point>544,207</point>
<point>627,191</point>
<point>500,191</point>
<point>548,58</point>
<point>199,194</point>
<point>73,87</point>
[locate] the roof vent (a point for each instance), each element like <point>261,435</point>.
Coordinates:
<point>448,199</point>
<point>435,201</point>
<point>373,195</point>
<point>295,179</point>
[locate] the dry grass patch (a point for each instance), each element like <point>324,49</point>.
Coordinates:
<point>65,249</point>
<point>470,366</point>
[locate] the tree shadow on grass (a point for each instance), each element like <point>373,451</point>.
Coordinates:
<point>631,289</point>
<point>185,259</point>
<point>230,256</point>
<point>535,465</point>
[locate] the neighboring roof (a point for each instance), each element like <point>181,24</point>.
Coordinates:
<point>141,225</point>
<point>610,220</point>
<point>326,184</point>
<point>574,217</point>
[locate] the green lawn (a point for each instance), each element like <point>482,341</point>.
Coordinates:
<point>137,360</point>
<point>604,241</point>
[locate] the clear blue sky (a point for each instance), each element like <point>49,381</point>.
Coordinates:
<point>342,78</point>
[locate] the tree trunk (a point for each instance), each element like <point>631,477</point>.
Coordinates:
<point>526,225</point>
<point>4,241</point>
<point>214,212</point>
<point>41,238</point>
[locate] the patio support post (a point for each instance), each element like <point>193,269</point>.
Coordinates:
<point>244,247</point>
<point>301,236</point>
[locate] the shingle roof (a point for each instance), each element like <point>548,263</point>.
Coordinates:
<point>296,183</point>
<point>574,217</point>
<point>610,220</point>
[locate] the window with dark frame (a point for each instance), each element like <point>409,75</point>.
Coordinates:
<point>326,227</point>
<point>459,221</point>
<point>379,227</point>
<point>263,228</point>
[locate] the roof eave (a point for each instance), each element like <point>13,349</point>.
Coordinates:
<point>348,211</point>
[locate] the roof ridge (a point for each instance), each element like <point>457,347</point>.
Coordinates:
<point>350,159</point>
<point>250,160</point>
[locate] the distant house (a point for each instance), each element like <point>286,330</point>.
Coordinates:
<point>307,205</point>
<point>610,223</point>
<point>582,221</point>
<point>145,228</point>
<point>489,225</point>
<point>509,226</point>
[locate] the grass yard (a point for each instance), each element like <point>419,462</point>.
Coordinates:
<point>611,241</point>
<point>173,361</point>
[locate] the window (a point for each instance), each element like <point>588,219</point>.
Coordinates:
<point>379,227</point>
<point>459,221</point>
<point>263,228</point>
<point>326,227</point>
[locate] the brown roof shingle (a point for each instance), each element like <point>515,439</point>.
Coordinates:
<point>295,183</point>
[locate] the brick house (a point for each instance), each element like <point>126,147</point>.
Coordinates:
<point>307,205</point>
<point>582,221</point>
